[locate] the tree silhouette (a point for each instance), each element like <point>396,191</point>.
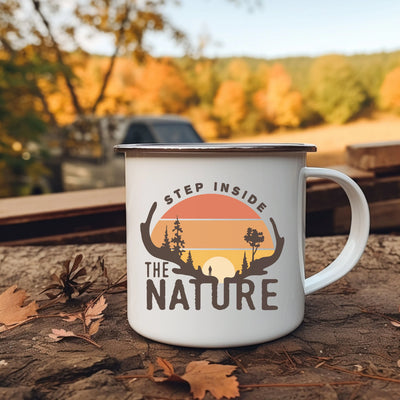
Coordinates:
<point>178,242</point>
<point>166,243</point>
<point>245,265</point>
<point>254,239</point>
<point>189,260</point>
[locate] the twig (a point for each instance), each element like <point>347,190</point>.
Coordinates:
<point>87,338</point>
<point>130,377</point>
<point>289,358</point>
<point>237,362</point>
<point>30,319</point>
<point>381,378</point>
<point>283,385</point>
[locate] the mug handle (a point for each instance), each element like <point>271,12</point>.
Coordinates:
<point>359,230</point>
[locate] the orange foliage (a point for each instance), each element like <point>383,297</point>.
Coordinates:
<point>201,117</point>
<point>239,71</point>
<point>160,88</point>
<point>278,103</point>
<point>58,99</point>
<point>230,104</point>
<point>390,90</point>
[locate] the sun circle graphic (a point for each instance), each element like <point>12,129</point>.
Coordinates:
<point>210,230</point>
<point>220,267</point>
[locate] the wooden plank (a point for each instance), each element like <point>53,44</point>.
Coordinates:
<point>379,157</point>
<point>60,205</point>
<point>110,235</point>
<point>385,216</point>
<point>354,173</point>
<point>326,196</point>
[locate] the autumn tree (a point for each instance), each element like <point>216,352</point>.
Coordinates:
<point>230,107</point>
<point>336,92</point>
<point>279,104</point>
<point>123,24</point>
<point>160,88</point>
<point>390,91</point>
<point>254,239</point>
<point>238,70</point>
<point>20,128</point>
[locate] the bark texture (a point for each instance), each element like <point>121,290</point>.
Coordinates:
<point>337,334</point>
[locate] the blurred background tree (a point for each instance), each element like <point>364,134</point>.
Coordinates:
<point>21,125</point>
<point>229,107</point>
<point>336,92</point>
<point>390,91</point>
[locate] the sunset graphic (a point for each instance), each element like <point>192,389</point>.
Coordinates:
<point>217,233</point>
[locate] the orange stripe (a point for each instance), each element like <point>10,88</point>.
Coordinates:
<point>211,206</point>
<point>214,234</point>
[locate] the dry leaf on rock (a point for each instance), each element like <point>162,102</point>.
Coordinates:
<point>168,370</point>
<point>202,377</point>
<point>95,311</point>
<point>12,310</point>
<point>91,317</point>
<point>59,334</point>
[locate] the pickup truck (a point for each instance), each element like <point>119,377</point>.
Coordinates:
<point>89,160</point>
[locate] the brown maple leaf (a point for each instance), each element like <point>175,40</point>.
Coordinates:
<point>202,377</point>
<point>94,311</point>
<point>12,310</point>
<point>59,334</point>
<point>91,317</point>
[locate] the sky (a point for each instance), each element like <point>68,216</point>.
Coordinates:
<point>281,28</point>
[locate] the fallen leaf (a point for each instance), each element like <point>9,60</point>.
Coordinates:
<point>168,370</point>
<point>12,310</point>
<point>59,334</point>
<point>94,327</point>
<point>91,317</point>
<point>202,377</point>
<point>95,310</point>
<point>71,317</point>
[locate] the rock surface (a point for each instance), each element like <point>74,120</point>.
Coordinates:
<point>337,334</point>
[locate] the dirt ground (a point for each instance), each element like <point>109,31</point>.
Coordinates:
<point>331,140</point>
<point>346,345</point>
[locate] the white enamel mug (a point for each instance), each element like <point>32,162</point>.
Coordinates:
<point>215,241</point>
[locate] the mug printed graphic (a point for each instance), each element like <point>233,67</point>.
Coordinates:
<point>214,239</point>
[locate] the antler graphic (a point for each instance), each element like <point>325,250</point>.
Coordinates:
<point>257,267</point>
<point>167,255</point>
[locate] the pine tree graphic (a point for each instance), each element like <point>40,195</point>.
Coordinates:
<point>189,261</point>
<point>178,242</point>
<point>245,264</point>
<point>166,243</point>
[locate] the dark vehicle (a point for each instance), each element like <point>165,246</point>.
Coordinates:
<point>166,129</point>
<point>89,158</point>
